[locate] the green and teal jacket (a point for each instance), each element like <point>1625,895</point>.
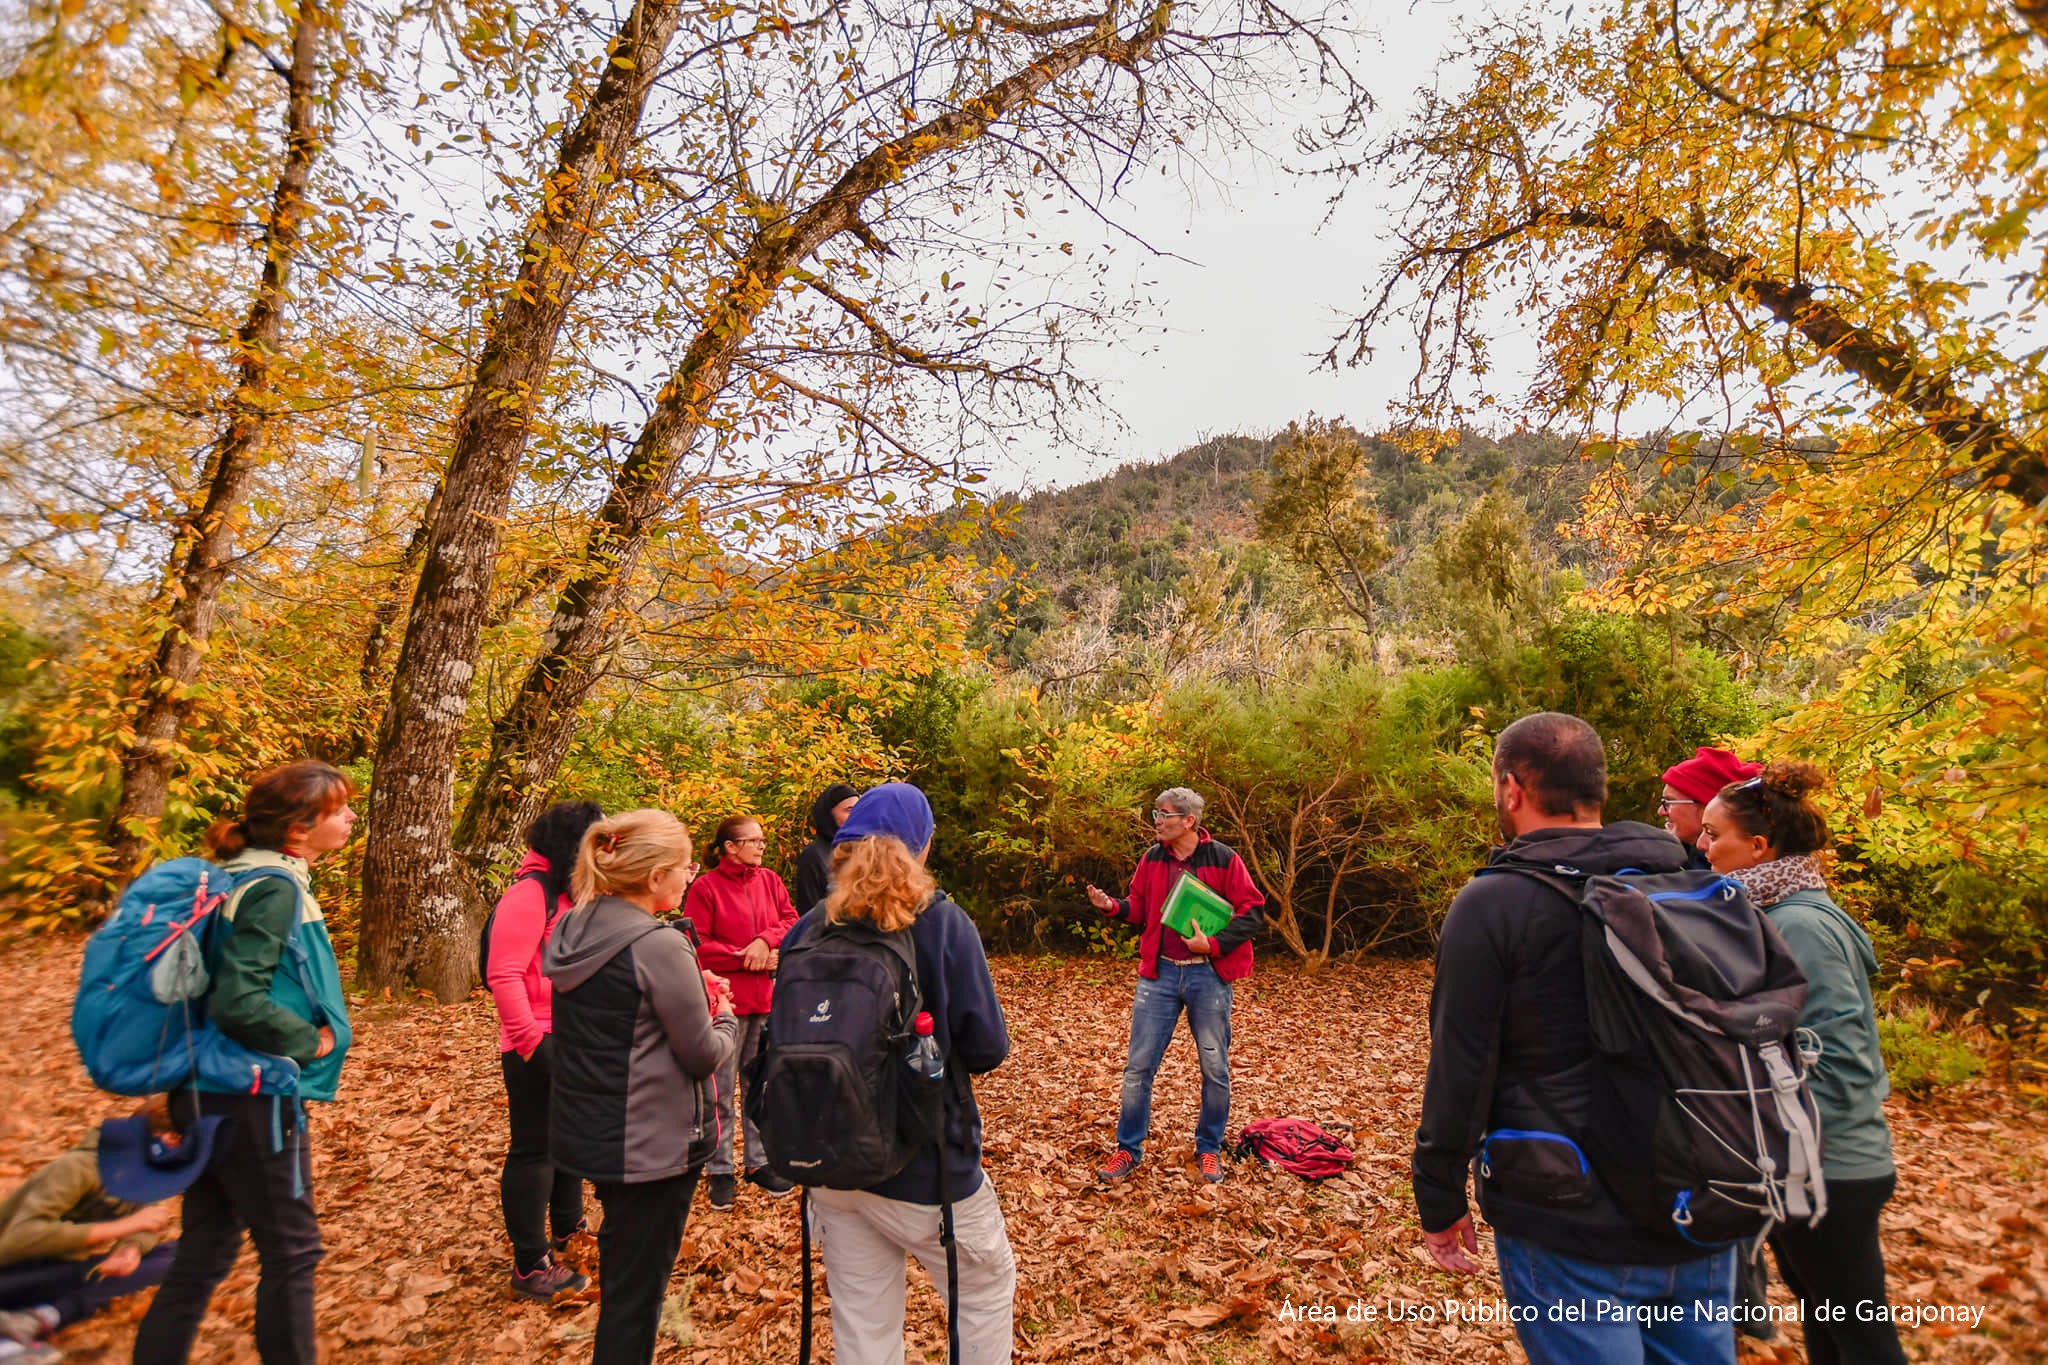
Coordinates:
<point>275,985</point>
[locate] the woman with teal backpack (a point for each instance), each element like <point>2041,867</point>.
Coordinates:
<point>276,989</point>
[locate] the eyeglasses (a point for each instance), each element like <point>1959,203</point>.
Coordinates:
<point>758,839</point>
<point>1668,802</point>
<point>1158,814</point>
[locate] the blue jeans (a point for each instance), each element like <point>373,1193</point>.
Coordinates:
<point>1155,1009</point>
<point>1573,1312</point>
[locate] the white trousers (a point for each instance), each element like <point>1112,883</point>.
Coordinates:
<point>865,1237</point>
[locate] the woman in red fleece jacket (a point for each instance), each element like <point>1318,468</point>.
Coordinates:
<point>741,910</point>
<point>531,1189</point>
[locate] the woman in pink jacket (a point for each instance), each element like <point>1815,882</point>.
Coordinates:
<point>532,1190</point>
<point>740,910</point>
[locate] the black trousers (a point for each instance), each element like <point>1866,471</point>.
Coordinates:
<point>636,1252</point>
<point>1841,1264</point>
<point>73,1290</point>
<point>534,1194</point>
<point>260,1179</point>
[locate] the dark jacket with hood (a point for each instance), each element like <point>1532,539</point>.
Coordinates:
<point>636,1047</point>
<point>814,864</point>
<point>1511,1046</point>
<point>955,988</point>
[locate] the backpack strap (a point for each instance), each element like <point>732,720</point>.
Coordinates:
<point>293,949</point>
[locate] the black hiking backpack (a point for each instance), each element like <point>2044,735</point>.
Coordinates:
<point>1701,1122</point>
<point>831,1090</point>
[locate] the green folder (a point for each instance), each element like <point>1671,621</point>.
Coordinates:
<point>1192,902</point>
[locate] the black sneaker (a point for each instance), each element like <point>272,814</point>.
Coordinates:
<point>768,1180</point>
<point>723,1190</point>
<point>546,1280</point>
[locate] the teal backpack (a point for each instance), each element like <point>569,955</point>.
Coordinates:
<point>139,1018</point>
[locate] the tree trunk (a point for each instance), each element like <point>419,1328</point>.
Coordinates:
<point>377,643</point>
<point>2006,461</point>
<point>529,741</point>
<point>418,901</point>
<point>200,560</point>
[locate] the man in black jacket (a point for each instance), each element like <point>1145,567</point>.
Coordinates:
<point>1510,1080</point>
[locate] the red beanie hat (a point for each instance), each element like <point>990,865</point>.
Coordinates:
<point>1702,776</point>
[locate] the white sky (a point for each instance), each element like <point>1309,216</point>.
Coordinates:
<point>1233,335</point>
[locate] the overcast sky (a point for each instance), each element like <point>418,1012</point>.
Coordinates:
<point>1233,335</point>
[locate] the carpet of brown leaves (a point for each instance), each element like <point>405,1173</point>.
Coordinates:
<point>1163,1267</point>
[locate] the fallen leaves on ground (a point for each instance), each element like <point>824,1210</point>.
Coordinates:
<point>1262,1268</point>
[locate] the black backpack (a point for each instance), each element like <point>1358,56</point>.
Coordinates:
<point>831,1090</point>
<point>483,937</point>
<point>1701,1122</point>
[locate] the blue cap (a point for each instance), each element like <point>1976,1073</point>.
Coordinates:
<point>141,1167</point>
<point>896,809</point>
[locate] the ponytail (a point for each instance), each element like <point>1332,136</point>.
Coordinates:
<point>292,795</point>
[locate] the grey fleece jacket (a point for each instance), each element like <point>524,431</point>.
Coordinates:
<point>636,1047</point>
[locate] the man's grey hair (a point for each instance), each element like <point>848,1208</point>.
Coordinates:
<point>1180,800</point>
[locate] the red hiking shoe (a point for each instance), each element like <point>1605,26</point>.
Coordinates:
<point>1118,1166</point>
<point>1211,1166</point>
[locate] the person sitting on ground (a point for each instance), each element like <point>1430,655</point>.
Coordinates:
<point>1765,832</point>
<point>879,877</point>
<point>741,910</point>
<point>638,1037</point>
<point>814,864</point>
<point>1175,973</point>
<point>1689,785</point>
<point>533,1193</point>
<point>1511,1061</point>
<point>70,1244</point>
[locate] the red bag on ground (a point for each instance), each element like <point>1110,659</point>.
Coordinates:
<point>1294,1145</point>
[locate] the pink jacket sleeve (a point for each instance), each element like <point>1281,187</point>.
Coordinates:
<point>785,912</point>
<point>515,938</point>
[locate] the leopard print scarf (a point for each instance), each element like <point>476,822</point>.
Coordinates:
<point>1768,883</point>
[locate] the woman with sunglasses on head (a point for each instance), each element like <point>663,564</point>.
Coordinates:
<point>276,989</point>
<point>741,910</point>
<point>638,1035</point>
<point>1765,832</point>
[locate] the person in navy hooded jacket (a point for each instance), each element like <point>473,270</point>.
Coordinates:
<point>1174,974</point>
<point>878,876</point>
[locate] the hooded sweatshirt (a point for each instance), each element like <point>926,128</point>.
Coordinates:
<point>1849,1082</point>
<point>636,1047</point>
<point>519,988</point>
<point>814,864</point>
<point>731,905</point>
<point>1511,1044</point>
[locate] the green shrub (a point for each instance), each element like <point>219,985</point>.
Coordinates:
<point>1920,1052</point>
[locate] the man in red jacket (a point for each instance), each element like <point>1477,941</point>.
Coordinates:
<point>1176,973</point>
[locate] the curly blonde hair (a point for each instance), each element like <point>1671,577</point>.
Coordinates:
<point>878,880</point>
<point>622,854</point>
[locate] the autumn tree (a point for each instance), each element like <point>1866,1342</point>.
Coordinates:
<point>1315,506</point>
<point>1704,208</point>
<point>826,341</point>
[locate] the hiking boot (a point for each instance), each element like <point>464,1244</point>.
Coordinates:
<point>561,1244</point>
<point>1117,1167</point>
<point>768,1180</point>
<point>724,1188</point>
<point>1211,1166</point>
<point>546,1280</point>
